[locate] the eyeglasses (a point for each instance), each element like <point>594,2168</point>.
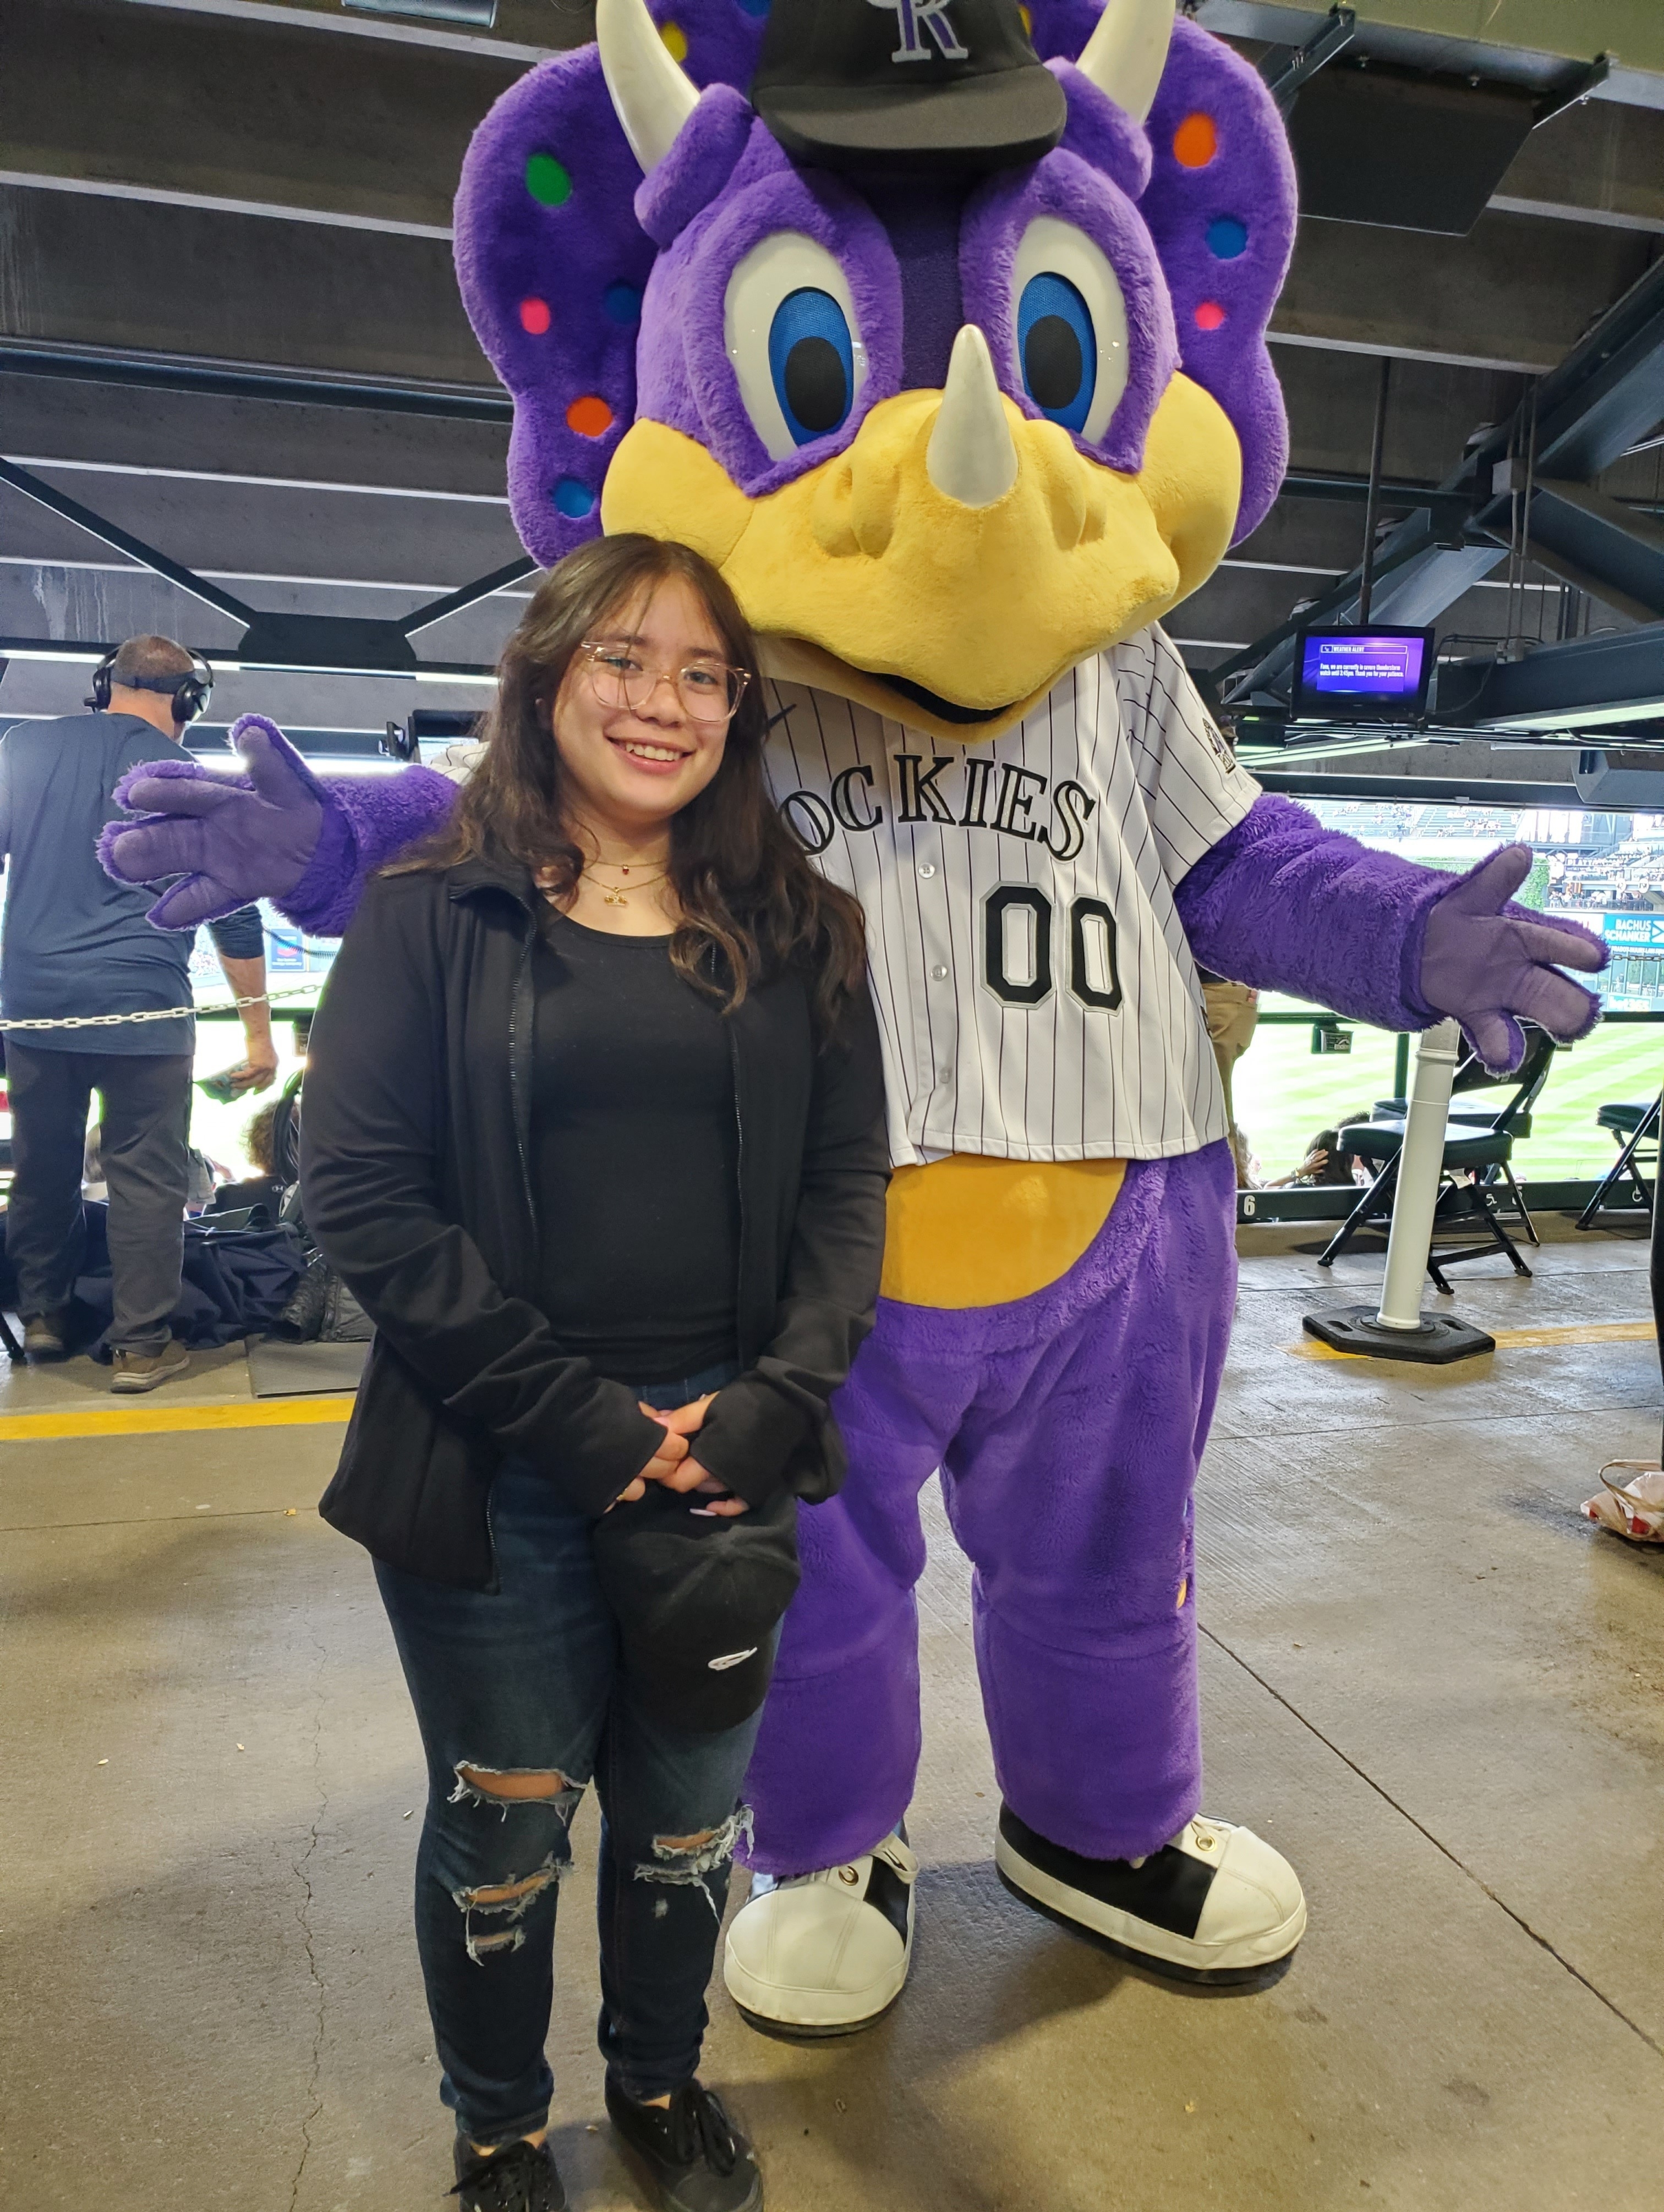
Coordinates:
<point>709,690</point>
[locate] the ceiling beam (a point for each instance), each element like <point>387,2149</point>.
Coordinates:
<point>1545,45</point>
<point>1513,295</point>
<point>1590,682</point>
<point>318,15</point>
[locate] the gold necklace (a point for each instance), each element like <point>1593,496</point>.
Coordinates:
<point>613,894</point>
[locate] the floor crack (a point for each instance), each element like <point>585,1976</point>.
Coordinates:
<point>1404,1813</point>
<point>303,1916</point>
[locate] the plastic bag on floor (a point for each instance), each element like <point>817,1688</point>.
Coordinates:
<point>1634,1509</point>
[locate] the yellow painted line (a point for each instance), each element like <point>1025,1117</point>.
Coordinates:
<point>1507,1340</point>
<point>174,1421</point>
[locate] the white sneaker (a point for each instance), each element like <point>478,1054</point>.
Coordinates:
<point>825,1954</point>
<point>1215,1904</point>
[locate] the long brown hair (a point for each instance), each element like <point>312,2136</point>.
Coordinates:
<point>751,905</point>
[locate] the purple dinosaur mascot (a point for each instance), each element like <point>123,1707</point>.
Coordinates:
<point>939,325</point>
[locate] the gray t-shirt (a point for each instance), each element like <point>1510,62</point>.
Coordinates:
<point>75,941</point>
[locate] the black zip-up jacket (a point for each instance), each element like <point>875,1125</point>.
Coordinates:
<point>415,1148</point>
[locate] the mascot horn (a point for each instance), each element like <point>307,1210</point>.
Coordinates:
<point>939,326</point>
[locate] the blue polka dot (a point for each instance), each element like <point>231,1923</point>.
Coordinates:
<point>1227,237</point>
<point>754,6</point>
<point>623,303</point>
<point>574,499</point>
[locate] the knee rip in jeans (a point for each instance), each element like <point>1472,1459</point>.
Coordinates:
<point>689,1862</point>
<point>507,1902</point>
<point>507,1786</point>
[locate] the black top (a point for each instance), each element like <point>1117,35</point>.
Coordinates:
<point>415,1151</point>
<point>76,942</point>
<point>635,1157</point>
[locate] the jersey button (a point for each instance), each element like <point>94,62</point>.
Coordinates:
<point>927,870</point>
<point>938,973</point>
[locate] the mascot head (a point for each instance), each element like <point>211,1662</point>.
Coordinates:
<point>944,339</point>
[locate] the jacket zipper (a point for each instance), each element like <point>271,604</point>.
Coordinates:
<point>739,1175</point>
<point>520,1044</point>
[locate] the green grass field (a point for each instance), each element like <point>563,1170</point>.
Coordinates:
<point>1284,1093</point>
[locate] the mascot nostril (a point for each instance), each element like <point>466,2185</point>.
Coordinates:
<point>978,727</point>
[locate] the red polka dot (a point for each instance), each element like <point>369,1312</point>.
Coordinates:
<point>1210,315</point>
<point>1195,142</point>
<point>590,417</point>
<point>534,316</point>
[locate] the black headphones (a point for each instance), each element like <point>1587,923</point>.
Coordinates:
<point>190,694</point>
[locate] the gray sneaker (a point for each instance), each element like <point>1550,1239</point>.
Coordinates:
<point>142,1370</point>
<point>46,1336</point>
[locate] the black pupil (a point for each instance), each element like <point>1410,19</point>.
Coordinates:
<point>1052,363</point>
<point>815,390</point>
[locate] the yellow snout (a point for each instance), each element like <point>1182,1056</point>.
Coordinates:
<point>868,561</point>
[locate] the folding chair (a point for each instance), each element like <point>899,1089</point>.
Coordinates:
<point>1476,1169</point>
<point>1633,1126</point>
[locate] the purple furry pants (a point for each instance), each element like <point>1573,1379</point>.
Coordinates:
<point>1068,1426</point>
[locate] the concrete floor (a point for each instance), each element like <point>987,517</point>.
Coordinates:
<point>1424,1676</point>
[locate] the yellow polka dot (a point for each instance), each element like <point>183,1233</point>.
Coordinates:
<point>1028,22</point>
<point>1184,1592</point>
<point>675,39</point>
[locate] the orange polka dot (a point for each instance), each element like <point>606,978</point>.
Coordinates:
<point>535,317</point>
<point>1210,315</point>
<point>590,417</point>
<point>1195,142</point>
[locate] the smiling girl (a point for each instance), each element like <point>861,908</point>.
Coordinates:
<point>593,1128</point>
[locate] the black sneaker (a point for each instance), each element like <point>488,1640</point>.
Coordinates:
<point>518,2178</point>
<point>695,2158</point>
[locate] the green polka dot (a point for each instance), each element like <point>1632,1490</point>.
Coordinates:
<point>547,180</point>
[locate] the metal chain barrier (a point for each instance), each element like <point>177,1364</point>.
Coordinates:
<point>163,1013</point>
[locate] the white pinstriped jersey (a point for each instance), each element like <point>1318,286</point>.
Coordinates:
<point>1036,997</point>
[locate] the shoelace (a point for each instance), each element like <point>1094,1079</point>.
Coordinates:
<point>505,2181</point>
<point>699,2128</point>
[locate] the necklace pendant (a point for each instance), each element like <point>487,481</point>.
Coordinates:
<point>614,898</point>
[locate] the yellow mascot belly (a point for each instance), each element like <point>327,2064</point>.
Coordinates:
<point>973,1231</point>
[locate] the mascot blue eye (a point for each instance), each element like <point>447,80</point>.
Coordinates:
<point>793,338</point>
<point>1058,350</point>
<point>811,362</point>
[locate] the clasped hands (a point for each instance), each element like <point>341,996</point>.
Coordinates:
<point>674,1466</point>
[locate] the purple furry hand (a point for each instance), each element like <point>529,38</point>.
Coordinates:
<point>228,839</point>
<point>1486,961</point>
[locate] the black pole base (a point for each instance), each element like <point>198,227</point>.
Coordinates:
<point>1439,1341</point>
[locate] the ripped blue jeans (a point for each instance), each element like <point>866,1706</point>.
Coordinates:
<point>522,1682</point>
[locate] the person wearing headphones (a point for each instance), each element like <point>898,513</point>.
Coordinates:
<point>76,942</point>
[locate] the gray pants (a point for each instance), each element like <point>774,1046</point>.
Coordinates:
<point>147,1122</point>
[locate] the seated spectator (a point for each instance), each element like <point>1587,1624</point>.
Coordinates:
<point>264,1187</point>
<point>1324,1163</point>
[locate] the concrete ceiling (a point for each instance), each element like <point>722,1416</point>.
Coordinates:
<point>206,191</point>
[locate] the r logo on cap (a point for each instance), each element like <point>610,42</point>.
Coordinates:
<point>732,1659</point>
<point>916,16</point>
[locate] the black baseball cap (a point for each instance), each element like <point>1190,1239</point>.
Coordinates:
<point>699,1599</point>
<point>851,84</point>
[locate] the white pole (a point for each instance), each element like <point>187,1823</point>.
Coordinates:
<point>1420,1164</point>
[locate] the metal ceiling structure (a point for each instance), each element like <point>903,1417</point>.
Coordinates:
<point>229,328</point>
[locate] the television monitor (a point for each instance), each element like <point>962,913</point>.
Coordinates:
<point>1376,675</point>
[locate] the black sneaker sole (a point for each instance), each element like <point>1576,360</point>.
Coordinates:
<point>1163,1969</point>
